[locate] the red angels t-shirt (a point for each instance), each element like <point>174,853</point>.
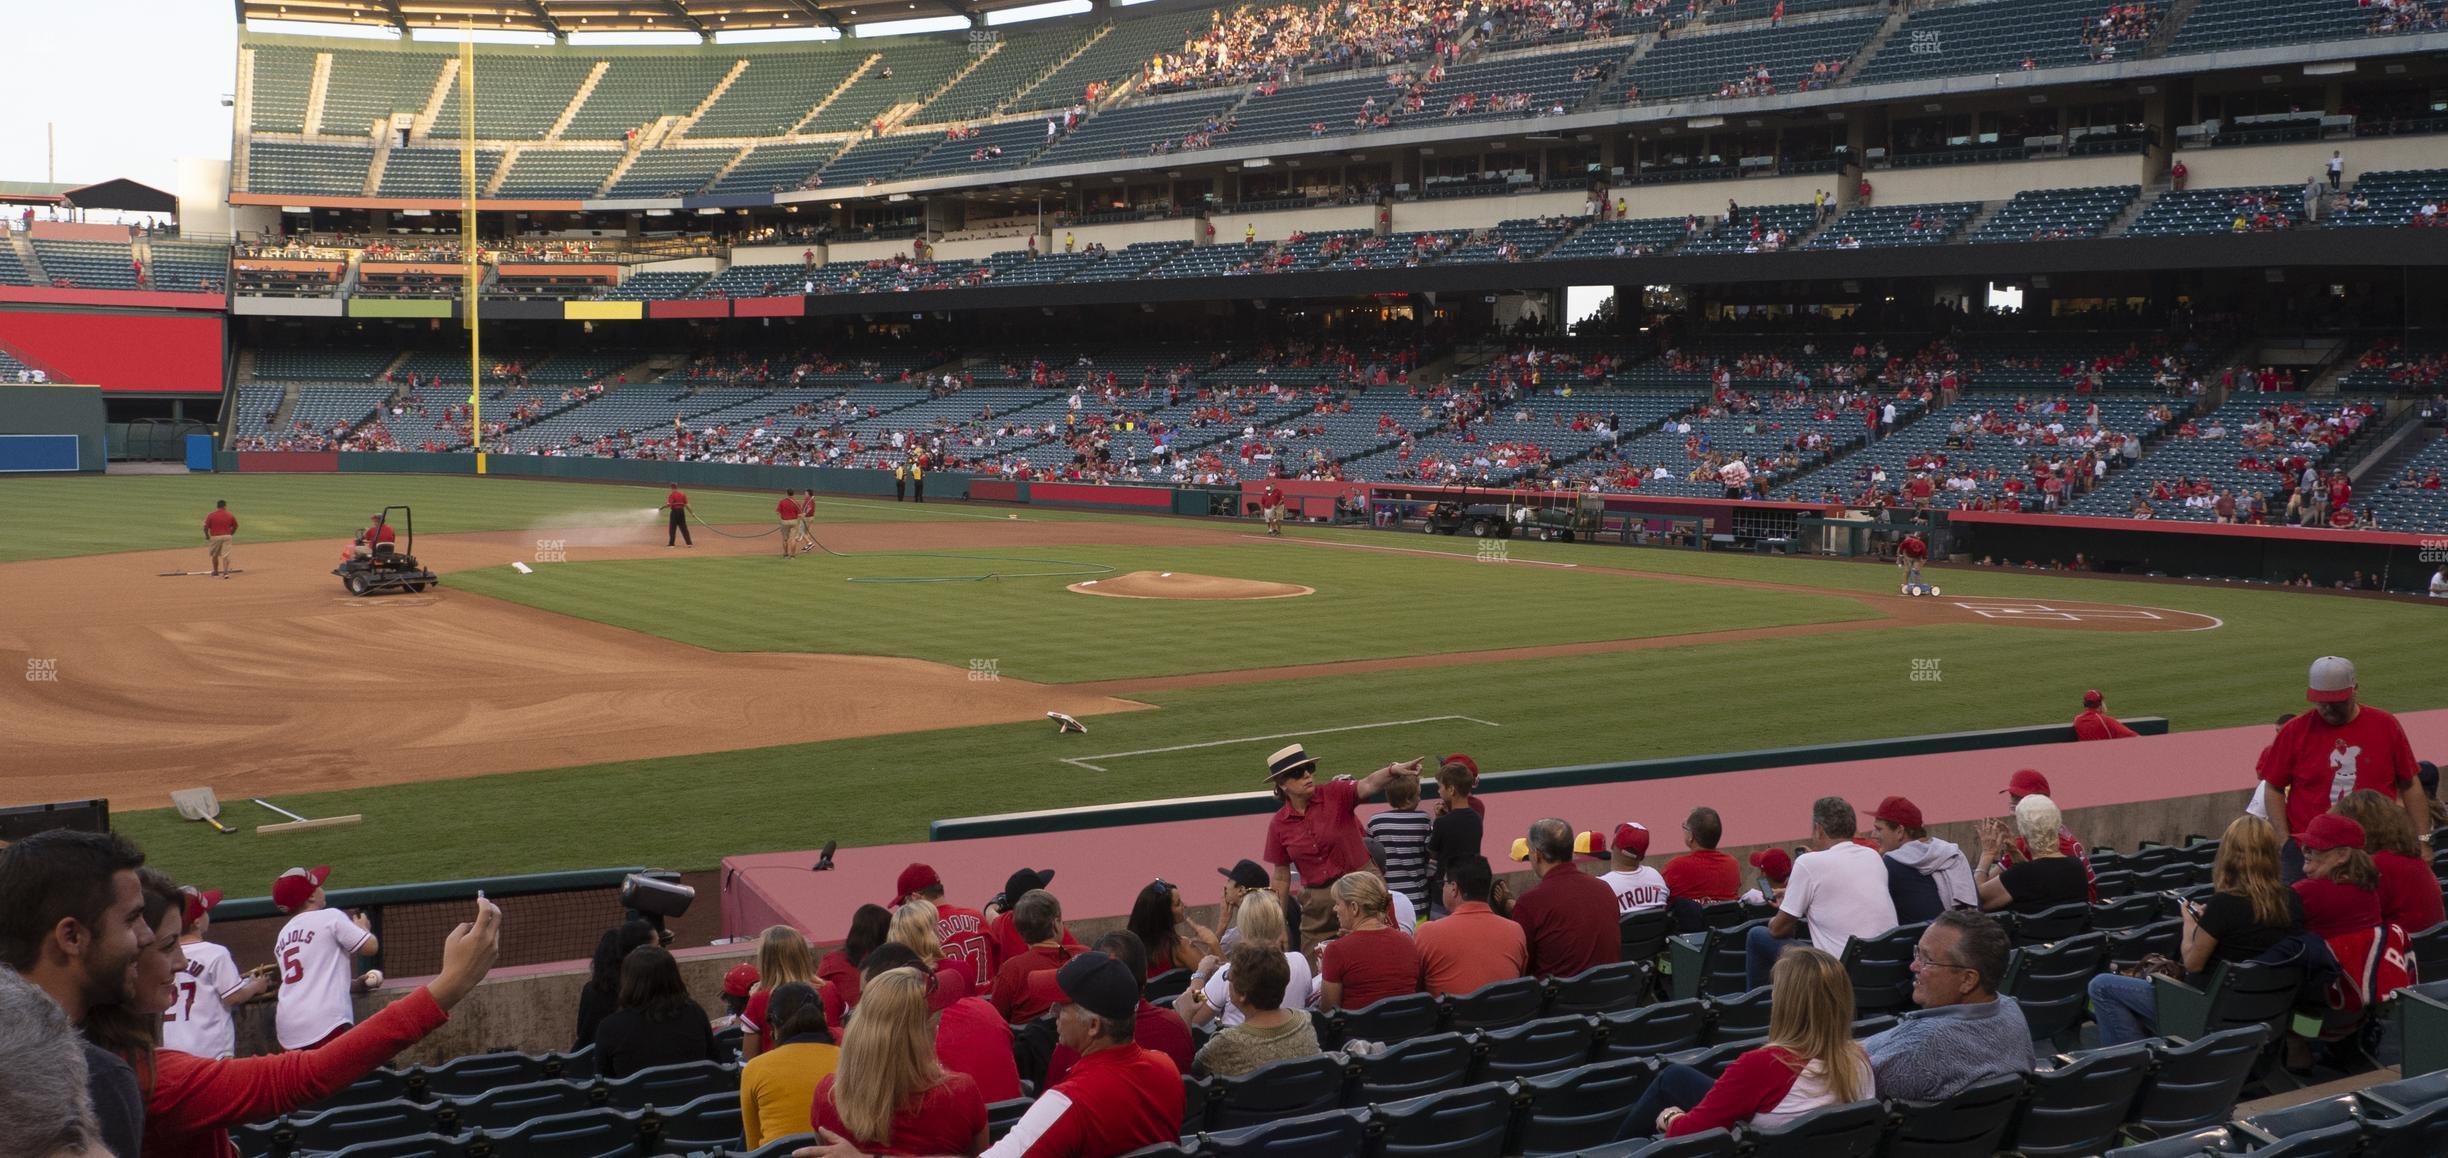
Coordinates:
<point>1913,546</point>
<point>787,509</point>
<point>2318,764</point>
<point>220,523</point>
<point>946,1119</point>
<point>675,499</point>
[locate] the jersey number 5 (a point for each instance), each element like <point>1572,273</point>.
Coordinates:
<point>291,971</point>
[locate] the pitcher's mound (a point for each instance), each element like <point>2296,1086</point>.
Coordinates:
<point>1184,585</point>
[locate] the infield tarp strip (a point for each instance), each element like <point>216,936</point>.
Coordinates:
<point>1572,776</point>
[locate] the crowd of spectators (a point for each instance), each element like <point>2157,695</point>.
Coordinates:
<point>896,1042</point>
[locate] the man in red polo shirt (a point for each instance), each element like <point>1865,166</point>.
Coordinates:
<point>2095,723</point>
<point>788,512</point>
<point>1318,832</point>
<point>1117,1098</point>
<point>219,526</point>
<point>1569,917</point>
<point>1271,504</point>
<point>963,930</point>
<point>2336,748</point>
<point>676,504</point>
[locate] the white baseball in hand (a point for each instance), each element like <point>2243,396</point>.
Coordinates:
<point>372,980</point>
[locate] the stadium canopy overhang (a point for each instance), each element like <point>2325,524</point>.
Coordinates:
<point>33,192</point>
<point>122,195</point>
<point>559,18</point>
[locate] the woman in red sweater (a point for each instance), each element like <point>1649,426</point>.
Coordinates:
<point>1811,1060</point>
<point>891,1094</point>
<point>191,1102</point>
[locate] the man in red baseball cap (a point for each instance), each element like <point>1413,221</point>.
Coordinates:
<point>2338,747</point>
<point>2094,722</point>
<point>209,986</point>
<point>317,953</point>
<point>1638,888</point>
<point>963,930</point>
<point>1775,867</point>
<point>1925,875</point>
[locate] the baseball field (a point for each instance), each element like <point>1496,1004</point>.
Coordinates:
<point>624,702</point>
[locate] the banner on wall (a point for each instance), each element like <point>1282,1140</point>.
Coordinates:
<point>121,353</point>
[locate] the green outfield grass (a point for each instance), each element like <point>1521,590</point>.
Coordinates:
<point>55,517</point>
<point>689,812</point>
<point>1367,605</point>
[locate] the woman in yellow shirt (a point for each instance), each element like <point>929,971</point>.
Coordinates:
<point>778,1086</point>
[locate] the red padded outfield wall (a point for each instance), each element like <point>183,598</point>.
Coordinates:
<point>121,353</point>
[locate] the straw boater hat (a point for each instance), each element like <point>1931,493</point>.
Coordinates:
<point>1289,761</point>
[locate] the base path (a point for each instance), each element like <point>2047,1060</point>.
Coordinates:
<point>278,682</point>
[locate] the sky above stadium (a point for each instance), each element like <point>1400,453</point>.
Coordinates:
<point>131,86</point>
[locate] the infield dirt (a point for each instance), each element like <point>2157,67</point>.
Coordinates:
<point>277,681</point>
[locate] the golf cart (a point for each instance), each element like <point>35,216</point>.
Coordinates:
<point>381,567</point>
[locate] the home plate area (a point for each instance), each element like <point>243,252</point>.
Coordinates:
<point>2105,616</point>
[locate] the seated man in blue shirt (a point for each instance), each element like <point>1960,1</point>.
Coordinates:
<point>1963,1033</point>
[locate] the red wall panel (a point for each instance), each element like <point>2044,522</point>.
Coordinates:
<point>119,352</point>
<point>288,461</point>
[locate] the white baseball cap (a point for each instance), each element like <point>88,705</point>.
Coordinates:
<point>2333,680</point>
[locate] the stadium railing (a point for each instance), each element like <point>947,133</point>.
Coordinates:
<point>1577,775</point>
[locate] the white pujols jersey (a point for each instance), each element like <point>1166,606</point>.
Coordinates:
<point>317,955</point>
<point>197,1022</point>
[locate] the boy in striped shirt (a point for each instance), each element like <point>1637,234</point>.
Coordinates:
<point>1402,831</point>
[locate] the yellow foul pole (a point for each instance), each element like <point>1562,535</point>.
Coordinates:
<point>473,274</point>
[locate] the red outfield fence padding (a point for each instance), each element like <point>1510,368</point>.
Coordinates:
<point>121,353</point>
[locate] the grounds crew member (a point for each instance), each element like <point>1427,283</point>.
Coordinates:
<point>901,481</point>
<point>219,527</point>
<point>788,511</point>
<point>379,532</point>
<point>677,503</point>
<point>1909,555</point>
<point>1271,504</point>
<point>807,511</point>
<point>2094,723</point>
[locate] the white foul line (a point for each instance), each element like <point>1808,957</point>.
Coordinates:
<point>1083,761</point>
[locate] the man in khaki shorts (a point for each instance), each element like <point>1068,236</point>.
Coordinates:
<point>807,510</point>
<point>219,528</point>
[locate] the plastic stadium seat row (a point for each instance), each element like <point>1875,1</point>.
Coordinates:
<point>2192,211</point>
<point>1698,65</point>
<point>2050,214</point>
<point>557,173</point>
<point>1992,36</point>
<point>284,167</point>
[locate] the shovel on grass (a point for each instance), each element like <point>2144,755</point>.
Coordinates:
<point>200,804</point>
